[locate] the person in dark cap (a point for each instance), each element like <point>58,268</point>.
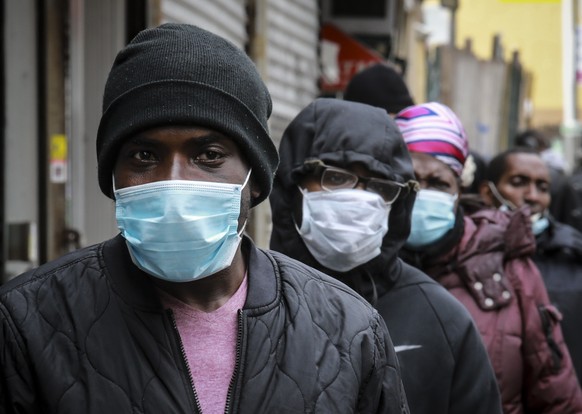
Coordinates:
<point>379,85</point>
<point>341,202</point>
<point>180,313</point>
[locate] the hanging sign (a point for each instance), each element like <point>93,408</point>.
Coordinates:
<point>342,57</point>
<point>58,158</point>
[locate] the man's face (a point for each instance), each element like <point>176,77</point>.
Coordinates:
<point>354,176</point>
<point>183,153</point>
<point>358,177</point>
<point>526,180</point>
<point>313,182</point>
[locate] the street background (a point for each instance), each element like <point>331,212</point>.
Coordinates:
<point>501,65</point>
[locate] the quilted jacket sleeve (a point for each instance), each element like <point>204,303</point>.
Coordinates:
<point>17,393</point>
<point>550,382</point>
<point>383,392</point>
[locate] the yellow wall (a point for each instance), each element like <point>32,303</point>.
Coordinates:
<point>534,28</point>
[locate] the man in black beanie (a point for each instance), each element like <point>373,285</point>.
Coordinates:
<point>180,313</point>
<point>379,85</point>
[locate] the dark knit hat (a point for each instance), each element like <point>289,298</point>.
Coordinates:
<point>181,75</point>
<point>379,85</point>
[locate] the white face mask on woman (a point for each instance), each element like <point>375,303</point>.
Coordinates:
<point>343,229</point>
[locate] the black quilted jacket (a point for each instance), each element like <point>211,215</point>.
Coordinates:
<point>86,334</point>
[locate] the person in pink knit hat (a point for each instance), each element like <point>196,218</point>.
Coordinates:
<point>483,257</point>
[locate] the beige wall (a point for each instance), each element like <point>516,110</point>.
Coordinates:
<point>533,28</point>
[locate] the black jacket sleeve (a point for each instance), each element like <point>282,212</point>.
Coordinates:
<point>474,388</point>
<point>17,392</point>
<point>383,392</point>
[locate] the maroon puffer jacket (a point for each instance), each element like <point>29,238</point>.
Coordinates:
<point>492,274</point>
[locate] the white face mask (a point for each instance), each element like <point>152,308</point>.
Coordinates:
<point>343,229</point>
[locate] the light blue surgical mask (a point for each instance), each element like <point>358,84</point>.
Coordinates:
<point>539,222</point>
<point>180,230</point>
<point>433,215</point>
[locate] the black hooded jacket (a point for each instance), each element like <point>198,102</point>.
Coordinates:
<point>559,259</point>
<point>445,368</point>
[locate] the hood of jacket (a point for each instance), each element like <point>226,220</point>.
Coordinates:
<point>341,133</point>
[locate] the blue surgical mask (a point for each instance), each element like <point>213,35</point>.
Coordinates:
<point>433,215</point>
<point>539,222</point>
<point>179,230</point>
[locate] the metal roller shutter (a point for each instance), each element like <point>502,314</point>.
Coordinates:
<point>226,18</point>
<point>291,61</point>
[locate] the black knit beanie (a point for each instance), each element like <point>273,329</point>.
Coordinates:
<point>181,75</point>
<point>379,85</point>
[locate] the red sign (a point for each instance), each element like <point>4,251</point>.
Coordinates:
<point>342,57</point>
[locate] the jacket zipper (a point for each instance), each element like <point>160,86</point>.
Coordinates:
<point>234,380</point>
<point>185,361</point>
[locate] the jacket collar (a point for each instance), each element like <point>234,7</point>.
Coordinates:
<point>136,287</point>
<point>560,238</point>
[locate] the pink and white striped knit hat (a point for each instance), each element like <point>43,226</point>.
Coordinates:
<point>433,128</point>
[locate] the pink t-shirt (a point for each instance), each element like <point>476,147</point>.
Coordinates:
<point>210,343</point>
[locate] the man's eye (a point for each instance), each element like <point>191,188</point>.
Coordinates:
<point>143,155</point>
<point>517,182</point>
<point>210,156</point>
<point>438,185</point>
<point>337,179</point>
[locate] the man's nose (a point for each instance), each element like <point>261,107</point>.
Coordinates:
<point>422,184</point>
<point>360,185</point>
<point>178,168</point>
<point>533,194</point>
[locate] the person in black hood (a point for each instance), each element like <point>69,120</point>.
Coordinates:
<point>341,202</point>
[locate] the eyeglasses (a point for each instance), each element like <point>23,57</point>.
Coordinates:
<point>333,178</point>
